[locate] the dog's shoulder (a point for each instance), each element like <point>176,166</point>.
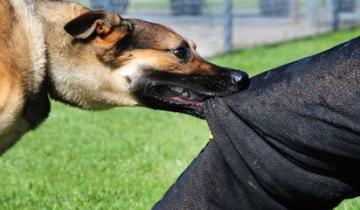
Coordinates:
<point>22,69</point>
<point>12,65</point>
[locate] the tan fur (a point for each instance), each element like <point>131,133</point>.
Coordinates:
<point>31,32</point>
<point>96,76</point>
<point>12,86</point>
<point>162,61</point>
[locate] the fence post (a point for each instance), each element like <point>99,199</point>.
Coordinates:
<point>109,5</point>
<point>228,26</point>
<point>294,10</point>
<point>336,14</point>
<point>313,12</point>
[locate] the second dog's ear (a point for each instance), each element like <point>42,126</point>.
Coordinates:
<point>99,22</point>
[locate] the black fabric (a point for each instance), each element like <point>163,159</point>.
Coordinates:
<point>290,141</point>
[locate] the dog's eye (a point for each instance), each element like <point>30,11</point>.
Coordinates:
<point>180,52</point>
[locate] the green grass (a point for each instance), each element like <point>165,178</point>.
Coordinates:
<point>122,158</point>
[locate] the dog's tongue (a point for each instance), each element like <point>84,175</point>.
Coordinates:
<point>180,100</point>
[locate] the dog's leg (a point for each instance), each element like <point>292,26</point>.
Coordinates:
<point>10,138</point>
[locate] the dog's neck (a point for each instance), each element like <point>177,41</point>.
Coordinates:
<point>32,19</point>
<point>33,33</point>
<point>54,15</point>
<point>75,74</point>
<point>32,6</point>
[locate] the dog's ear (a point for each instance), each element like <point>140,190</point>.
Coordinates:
<point>99,22</point>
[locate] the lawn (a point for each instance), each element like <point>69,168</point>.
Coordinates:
<point>123,158</point>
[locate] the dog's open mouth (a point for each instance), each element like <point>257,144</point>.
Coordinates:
<point>184,93</point>
<point>180,96</point>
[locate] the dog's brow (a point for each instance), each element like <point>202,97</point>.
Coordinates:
<point>184,44</point>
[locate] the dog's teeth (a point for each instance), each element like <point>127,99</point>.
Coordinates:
<point>186,94</point>
<point>177,89</point>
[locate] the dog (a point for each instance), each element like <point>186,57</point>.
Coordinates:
<point>96,60</point>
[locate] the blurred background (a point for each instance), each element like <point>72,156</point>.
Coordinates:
<point>127,158</point>
<point>219,26</point>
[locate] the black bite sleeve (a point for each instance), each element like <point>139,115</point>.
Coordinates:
<point>290,141</point>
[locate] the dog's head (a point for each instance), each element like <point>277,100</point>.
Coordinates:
<point>137,63</point>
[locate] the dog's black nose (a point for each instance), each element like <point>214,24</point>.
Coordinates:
<point>239,79</point>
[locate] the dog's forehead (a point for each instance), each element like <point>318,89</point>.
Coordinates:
<point>156,35</point>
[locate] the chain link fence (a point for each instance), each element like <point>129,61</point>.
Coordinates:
<point>218,26</point>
